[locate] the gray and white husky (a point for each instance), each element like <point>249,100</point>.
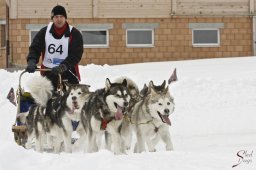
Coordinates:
<point>53,115</point>
<point>104,112</point>
<point>150,118</point>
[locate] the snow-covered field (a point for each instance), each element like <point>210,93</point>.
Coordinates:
<point>213,125</point>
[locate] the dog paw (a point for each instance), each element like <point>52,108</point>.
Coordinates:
<point>118,153</point>
<point>152,150</point>
<point>28,145</point>
<point>169,148</point>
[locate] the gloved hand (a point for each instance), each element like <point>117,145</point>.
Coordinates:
<point>31,67</point>
<point>59,69</point>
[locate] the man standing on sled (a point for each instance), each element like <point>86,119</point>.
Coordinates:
<point>61,47</point>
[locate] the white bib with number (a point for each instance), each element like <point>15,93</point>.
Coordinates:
<point>56,50</point>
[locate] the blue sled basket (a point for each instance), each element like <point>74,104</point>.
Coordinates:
<point>26,101</point>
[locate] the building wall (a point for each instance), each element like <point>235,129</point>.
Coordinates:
<point>2,18</point>
<point>173,40</point>
<point>173,37</point>
<point>2,52</point>
<point>31,9</point>
<point>133,8</point>
<point>2,9</point>
<point>215,7</point>
<point>2,58</point>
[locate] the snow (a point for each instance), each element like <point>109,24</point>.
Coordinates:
<point>214,118</point>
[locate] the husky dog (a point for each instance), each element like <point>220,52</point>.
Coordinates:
<point>54,114</point>
<point>150,118</point>
<point>133,91</point>
<point>126,128</point>
<point>104,111</point>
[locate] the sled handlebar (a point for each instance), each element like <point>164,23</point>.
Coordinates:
<point>19,90</point>
<point>41,69</point>
<point>38,69</point>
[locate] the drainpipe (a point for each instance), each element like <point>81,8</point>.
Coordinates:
<point>7,36</point>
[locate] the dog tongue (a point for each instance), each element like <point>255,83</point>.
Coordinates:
<point>119,113</point>
<point>166,119</point>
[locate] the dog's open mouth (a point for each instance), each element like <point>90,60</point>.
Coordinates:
<point>75,105</point>
<point>164,118</point>
<point>119,113</point>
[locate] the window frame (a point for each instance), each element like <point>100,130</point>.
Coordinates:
<point>97,45</point>
<point>206,44</point>
<point>30,32</point>
<point>141,45</point>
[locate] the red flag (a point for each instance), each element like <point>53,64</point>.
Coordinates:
<point>11,96</point>
<point>173,77</point>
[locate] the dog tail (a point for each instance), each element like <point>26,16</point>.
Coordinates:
<point>21,118</point>
<point>41,90</point>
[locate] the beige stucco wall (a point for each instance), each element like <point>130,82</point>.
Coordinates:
<point>173,40</point>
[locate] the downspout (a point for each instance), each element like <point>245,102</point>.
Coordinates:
<point>7,36</point>
<point>93,8</point>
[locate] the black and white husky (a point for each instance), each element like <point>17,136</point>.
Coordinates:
<point>104,112</point>
<point>150,118</point>
<point>53,115</point>
<point>126,127</point>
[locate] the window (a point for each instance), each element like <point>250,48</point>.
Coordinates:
<point>206,34</point>
<point>95,38</point>
<point>205,37</point>
<point>139,37</point>
<point>33,30</point>
<point>32,34</point>
<point>95,35</point>
<point>3,37</point>
<point>140,34</point>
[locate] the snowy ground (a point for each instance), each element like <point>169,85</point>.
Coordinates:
<point>213,124</point>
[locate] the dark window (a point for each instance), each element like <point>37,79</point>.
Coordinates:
<point>3,38</point>
<point>95,38</point>
<point>139,38</point>
<point>32,35</point>
<point>205,37</point>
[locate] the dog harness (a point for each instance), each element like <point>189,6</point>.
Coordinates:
<point>74,124</point>
<point>129,119</point>
<point>104,123</point>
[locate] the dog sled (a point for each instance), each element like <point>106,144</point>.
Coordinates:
<point>23,101</point>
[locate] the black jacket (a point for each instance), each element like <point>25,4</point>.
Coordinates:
<point>75,51</point>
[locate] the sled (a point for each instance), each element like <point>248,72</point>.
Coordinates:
<point>24,101</point>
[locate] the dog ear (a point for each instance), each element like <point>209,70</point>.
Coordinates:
<point>166,90</point>
<point>163,85</point>
<point>88,86</point>
<point>151,87</point>
<point>151,84</point>
<point>144,90</point>
<point>124,83</point>
<point>107,84</point>
<point>85,87</point>
<point>67,85</point>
